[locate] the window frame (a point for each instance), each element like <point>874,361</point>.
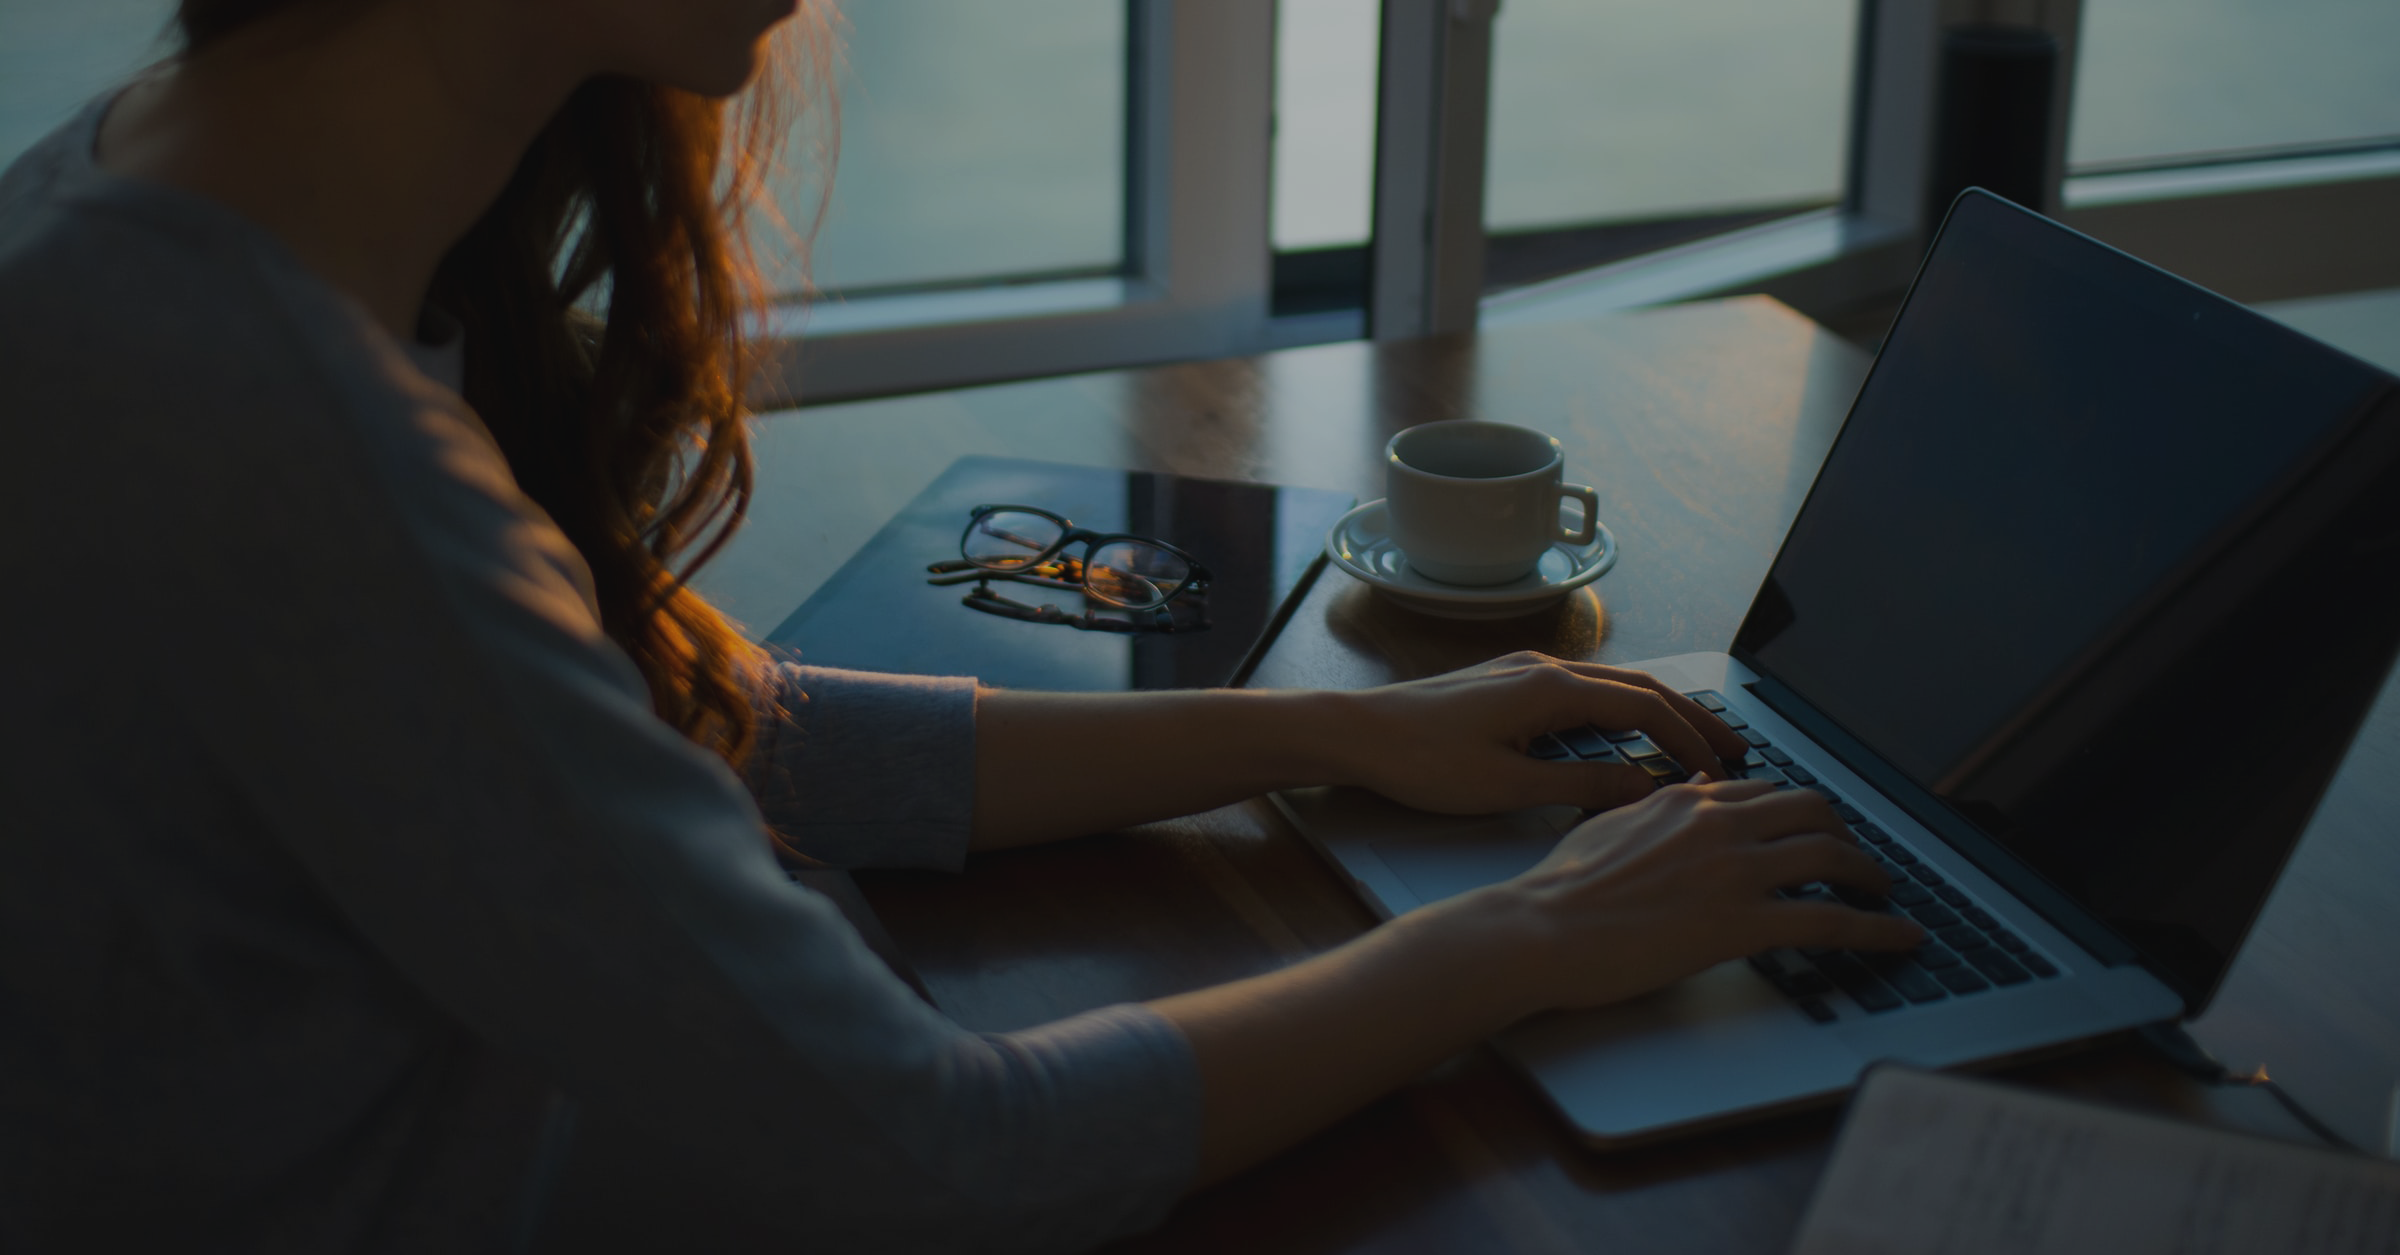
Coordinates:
<point>2269,226</point>
<point>1200,90</point>
<point>1199,275</point>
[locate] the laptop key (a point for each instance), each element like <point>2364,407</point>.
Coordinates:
<point>1875,999</point>
<point>1709,701</point>
<point>1979,917</point>
<point>1934,915</point>
<point>1817,1011</point>
<point>1776,964</point>
<point>1790,976</point>
<point>1927,876</point>
<point>1624,734</point>
<point>2038,965</point>
<point>1773,755</point>
<point>1871,833</point>
<point>1962,938</point>
<point>2002,969</point>
<point>1907,893</point>
<point>1912,982</point>
<point>1756,738</point>
<point>1961,980</point>
<point>1951,895</point>
<point>1586,742</point>
<point>2009,941</point>
<point>1639,747</point>
<point>1900,854</point>
<point>1860,899</point>
<point>1933,955</point>
<point>1800,775</point>
<point>1548,747</point>
<point>1850,814</point>
<point>1856,980</point>
<point>1731,720</point>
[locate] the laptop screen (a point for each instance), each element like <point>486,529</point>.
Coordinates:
<point>2016,577</point>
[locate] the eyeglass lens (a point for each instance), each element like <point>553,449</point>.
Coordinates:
<point>1004,540</point>
<point>1130,573</point>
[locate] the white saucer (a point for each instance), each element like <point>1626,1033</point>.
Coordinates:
<point>1361,544</point>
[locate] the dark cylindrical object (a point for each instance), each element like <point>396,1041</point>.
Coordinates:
<point>1992,120</point>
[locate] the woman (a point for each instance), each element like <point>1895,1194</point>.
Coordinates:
<point>380,787</point>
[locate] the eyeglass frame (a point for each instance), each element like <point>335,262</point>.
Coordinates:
<point>1195,583</point>
<point>1161,617</point>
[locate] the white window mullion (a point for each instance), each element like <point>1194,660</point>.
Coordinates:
<point>1432,130</point>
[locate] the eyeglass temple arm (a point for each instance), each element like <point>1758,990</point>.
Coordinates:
<point>1046,576</point>
<point>1162,620</point>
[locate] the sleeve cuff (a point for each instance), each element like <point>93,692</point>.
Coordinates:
<point>861,769</point>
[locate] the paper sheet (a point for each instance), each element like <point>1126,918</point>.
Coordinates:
<point>1932,1164</point>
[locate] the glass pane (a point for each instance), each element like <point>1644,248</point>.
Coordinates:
<point>1619,110</point>
<point>1325,65</point>
<point>979,141</point>
<point>2165,78</point>
<point>54,57</point>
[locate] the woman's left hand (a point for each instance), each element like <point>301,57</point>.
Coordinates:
<point>1456,743</point>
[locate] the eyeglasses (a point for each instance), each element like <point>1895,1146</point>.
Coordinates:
<point>1026,544</point>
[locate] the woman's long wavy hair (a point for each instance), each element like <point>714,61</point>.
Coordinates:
<point>605,296</point>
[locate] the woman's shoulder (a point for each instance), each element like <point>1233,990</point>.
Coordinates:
<point>116,291</point>
<point>112,286</point>
<point>173,361</point>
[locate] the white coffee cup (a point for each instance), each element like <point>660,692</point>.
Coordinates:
<point>1476,503</point>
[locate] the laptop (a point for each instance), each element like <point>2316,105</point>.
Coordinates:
<point>2086,603</point>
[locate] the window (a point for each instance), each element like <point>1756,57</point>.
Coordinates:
<point>2251,147</point>
<point>1191,97</point>
<point>1055,185</point>
<point>980,142</point>
<point>1324,123</point>
<point>2254,148</point>
<point>1035,187</point>
<point>2161,80</point>
<point>55,57</point>
<point>1623,111</point>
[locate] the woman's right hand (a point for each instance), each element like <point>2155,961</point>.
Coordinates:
<point>1642,896</point>
<point>1634,899</point>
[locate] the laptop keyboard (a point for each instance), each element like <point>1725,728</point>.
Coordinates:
<point>1966,951</point>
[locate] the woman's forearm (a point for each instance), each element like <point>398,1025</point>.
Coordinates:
<point>1063,764</point>
<point>1050,765</point>
<point>1287,1053</point>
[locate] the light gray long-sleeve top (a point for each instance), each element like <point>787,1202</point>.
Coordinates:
<point>340,851</point>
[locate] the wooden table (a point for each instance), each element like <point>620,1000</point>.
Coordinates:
<point>1702,427</point>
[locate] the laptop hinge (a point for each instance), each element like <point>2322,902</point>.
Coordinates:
<point>1989,856</point>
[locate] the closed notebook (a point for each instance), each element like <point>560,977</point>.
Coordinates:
<point>1262,545</point>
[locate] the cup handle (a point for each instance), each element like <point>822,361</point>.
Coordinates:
<point>1590,531</point>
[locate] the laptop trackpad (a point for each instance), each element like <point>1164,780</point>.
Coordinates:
<point>1453,856</point>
